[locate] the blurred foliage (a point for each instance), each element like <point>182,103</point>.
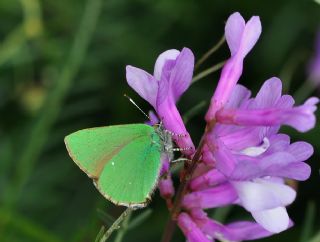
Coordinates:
<point>62,68</point>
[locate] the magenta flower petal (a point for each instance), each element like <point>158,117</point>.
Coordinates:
<point>274,220</point>
<point>162,59</point>
<point>240,231</point>
<point>172,76</point>
<point>143,83</point>
<point>241,40</point>
<point>190,229</point>
<point>278,164</point>
<point>241,138</point>
<point>237,231</point>
<point>269,93</point>
<point>166,187</point>
<point>181,74</point>
<point>301,150</point>
<point>172,121</point>
<point>250,35</point>
<point>240,94</point>
<point>301,118</point>
<point>208,179</point>
<point>218,196</point>
<point>241,37</point>
<point>233,31</point>
<point>263,195</point>
<point>153,119</point>
<point>225,160</point>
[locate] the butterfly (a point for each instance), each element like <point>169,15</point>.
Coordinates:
<point>124,161</point>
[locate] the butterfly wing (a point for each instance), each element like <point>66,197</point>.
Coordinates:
<point>123,160</point>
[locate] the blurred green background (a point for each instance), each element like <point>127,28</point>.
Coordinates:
<point>62,68</point>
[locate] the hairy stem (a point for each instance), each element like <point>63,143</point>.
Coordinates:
<point>115,225</point>
<point>210,52</point>
<point>186,175</point>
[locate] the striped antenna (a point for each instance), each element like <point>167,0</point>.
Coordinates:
<point>136,106</point>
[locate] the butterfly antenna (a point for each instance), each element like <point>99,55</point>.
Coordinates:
<point>136,106</point>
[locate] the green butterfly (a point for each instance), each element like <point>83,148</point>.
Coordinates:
<point>124,161</point>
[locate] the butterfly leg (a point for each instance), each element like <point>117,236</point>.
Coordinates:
<point>180,160</point>
<point>174,134</point>
<point>179,149</point>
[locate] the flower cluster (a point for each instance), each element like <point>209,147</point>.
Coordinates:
<point>244,159</point>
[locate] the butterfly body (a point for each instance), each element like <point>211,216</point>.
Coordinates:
<point>123,160</point>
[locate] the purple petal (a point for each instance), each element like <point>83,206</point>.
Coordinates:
<point>218,196</point>
<point>232,70</point>
<point>274,220</point>
<point>160,62</point>
<point>279,142</point>
<point>302,117</point>
<point>242,37</point>
<point>301,150</point>
<point>173,122</point>
<point>181,74</point>
<point>240,231</point>
<point>237,231</point>
<point>166,187</point>
<point>233,30</point>
<point>190,229</point>
<point>239,94</point>
<point>264,195</point>
<point>251,35</point>
<point>269,93</point>
<point>243,138</point>
<point>286,101</point>
<point>225,160</point>
<point>279,164</point>
<point>210,178</point>
<point>143,83</point>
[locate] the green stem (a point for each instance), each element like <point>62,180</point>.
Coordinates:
<point>208,71</point>
<point>124,229</point>
<point>210,52</point>
<point>116,225</point>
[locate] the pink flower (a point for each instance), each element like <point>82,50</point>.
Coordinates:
<point>241,37</point>
<point>172,77</point>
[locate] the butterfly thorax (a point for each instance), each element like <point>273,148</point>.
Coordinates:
<point>165,139</point>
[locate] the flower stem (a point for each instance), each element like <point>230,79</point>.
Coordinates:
<point>116,225</point>
<point>185,176</point>
<point>208,71</point>
<point>210,52</point>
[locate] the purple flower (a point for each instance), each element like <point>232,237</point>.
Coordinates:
<point>266,199</point>
<point>256,159</point>
<point>247,159</point>
<point>172,76</point>
<point>191,230</point>
<point>269,108</point>
<point>244,158</point>
<point>165,183</point>
<point>199,228</point>
<point>314,66</point>
<point>217,196</point>
<point>241,37</point>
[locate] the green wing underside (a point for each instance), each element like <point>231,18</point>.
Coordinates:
<point>123,160</point>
